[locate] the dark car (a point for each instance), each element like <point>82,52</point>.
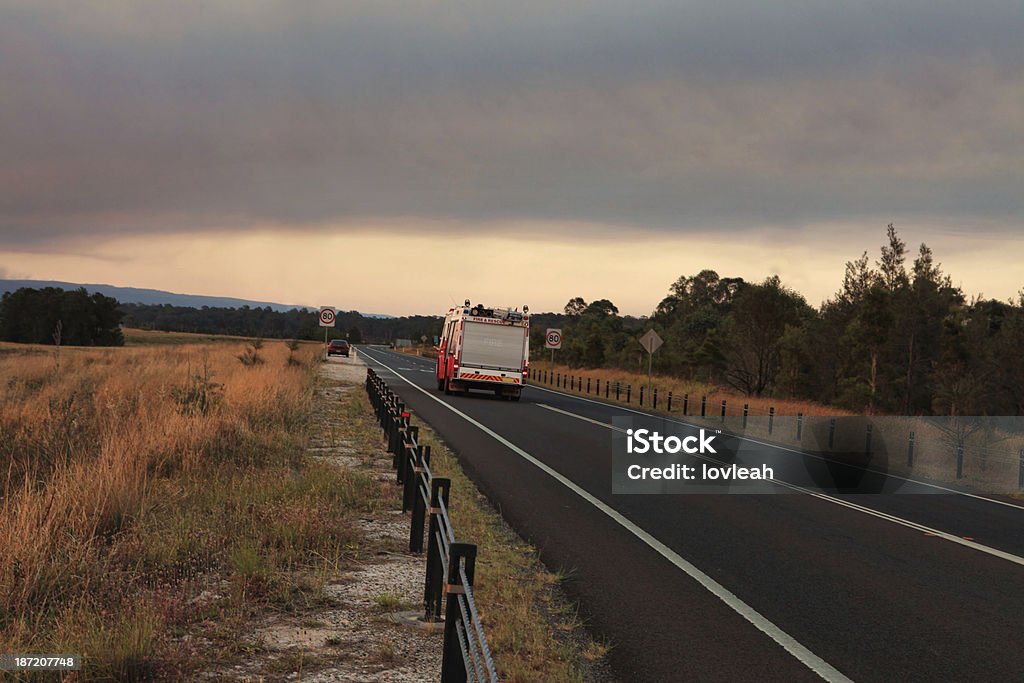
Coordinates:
<point>338,347</point>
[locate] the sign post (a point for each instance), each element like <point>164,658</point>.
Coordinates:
<point>553,340</point>
<point>652,342</point>
<point>328,317</point>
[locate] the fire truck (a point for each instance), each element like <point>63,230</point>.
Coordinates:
<point>484,348</point>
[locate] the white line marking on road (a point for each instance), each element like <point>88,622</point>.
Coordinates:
<point>581,417</point>
<point>838,501</point>
<point>772,445</point>
<point>914,525</point>
<point>812,661</point>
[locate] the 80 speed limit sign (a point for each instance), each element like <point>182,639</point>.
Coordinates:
<point>327,316</point>
<point>553,339</point>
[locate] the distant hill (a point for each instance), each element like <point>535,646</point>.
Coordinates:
<point>135,295</point>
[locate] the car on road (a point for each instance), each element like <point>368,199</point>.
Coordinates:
<point>337,347</point>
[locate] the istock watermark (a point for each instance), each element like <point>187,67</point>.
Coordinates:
<point>802,454</point>
<point>644,441</point>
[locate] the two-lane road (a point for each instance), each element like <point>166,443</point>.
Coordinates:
<point>740,587</point>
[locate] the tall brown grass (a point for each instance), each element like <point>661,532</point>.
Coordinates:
<point>128,470</point>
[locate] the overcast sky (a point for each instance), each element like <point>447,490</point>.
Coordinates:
<point>511,152</point>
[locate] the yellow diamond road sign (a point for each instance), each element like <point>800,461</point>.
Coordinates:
<point>651,341</point>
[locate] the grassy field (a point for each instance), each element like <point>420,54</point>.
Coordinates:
<point>157,500</point>
<point>154,498</point>
<point>136,337</point>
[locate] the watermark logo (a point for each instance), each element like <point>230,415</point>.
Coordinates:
<point>643,441</point>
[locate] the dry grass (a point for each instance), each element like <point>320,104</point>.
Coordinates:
<point>151,493</point>
<point>138,337</point>
<point>678,387</point>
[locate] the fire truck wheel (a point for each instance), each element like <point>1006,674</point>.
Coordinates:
<point>515,397</point>
<point>447,386</point>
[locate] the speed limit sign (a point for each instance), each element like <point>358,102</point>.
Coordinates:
<point>553,339</point>
<point>327,316</point>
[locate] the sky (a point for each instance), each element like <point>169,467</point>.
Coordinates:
<point>396,157</point>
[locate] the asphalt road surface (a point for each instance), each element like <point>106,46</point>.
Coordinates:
<point>739,587</point>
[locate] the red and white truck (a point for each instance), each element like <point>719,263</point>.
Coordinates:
<point>484,348</point>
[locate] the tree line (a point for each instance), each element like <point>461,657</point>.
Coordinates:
<point>56,316</point>
<point>897,337</point>
<point>297,323</point>
<point>30,315</point>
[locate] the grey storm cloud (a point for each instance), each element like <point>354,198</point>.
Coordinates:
<point>140,116</point>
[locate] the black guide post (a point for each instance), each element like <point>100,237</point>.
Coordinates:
<point>419,506</point>
<point>409,472</point>
<point>453,667</point>
<point>440,488</point>
<point>404,454</point>
<point>393,437</point>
